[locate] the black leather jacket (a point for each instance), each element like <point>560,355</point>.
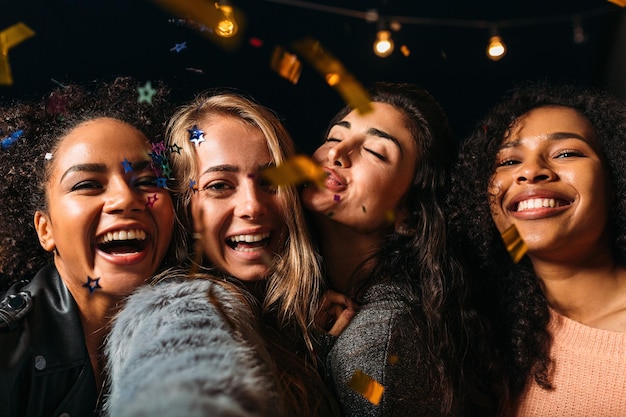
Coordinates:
<point>44,365</point>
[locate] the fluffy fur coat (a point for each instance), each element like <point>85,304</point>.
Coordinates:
<point>188,348</point>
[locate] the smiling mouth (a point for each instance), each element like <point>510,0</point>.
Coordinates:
<point>248,243</point>
<point>121,242</point>
<point>535,203</point>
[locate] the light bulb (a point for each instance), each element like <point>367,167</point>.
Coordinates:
<point>227,26</point>
<point>496,49</point>
<point>383,46</point>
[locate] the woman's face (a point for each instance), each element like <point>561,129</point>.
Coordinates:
<point>236,212</point>
<point>550,182</point>
<point>370,161</point>
<point>109,222</point>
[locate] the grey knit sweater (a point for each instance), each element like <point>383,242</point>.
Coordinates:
<point>171,353</point>
<point>381,342</point>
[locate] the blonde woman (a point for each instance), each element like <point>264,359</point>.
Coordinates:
<point>251,235</point>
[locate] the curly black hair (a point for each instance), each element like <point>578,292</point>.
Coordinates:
<point>30,129</point>
<point>511,292</point>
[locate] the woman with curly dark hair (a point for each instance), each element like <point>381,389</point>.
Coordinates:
<point>85,219</point>
<point>383,237</point>
<point>551,161</point>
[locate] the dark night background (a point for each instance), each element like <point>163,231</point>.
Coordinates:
<point>86,39</point>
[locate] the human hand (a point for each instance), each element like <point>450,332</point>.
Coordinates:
<point>335,312</point>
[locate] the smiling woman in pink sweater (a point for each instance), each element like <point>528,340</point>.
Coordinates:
<point>552,164</point>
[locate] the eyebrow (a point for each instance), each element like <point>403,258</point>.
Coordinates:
<point>375,132</point>
<point>101,168</point>
<point>233,168</point>
<point>548,136</point>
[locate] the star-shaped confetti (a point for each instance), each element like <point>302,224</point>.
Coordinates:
<point>175,148</point>
<point>192,186</point>
<point>10,37</point>
<point>146,93</point>
<point>92,284</point>
<point>196,135</point>
<point>167,171</point>
<point>161,182</point>
<point>158,147</point>
<point>367,386</point>
<point>128,167</point>
<point>179,47</point>
<point>151,200</point>
<point>11,139</point>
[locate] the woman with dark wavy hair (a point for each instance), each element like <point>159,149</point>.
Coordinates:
<point>551,161</point>
<point>383,237</point>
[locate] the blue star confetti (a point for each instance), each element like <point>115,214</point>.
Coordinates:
<point>128,167</point>
<point>11,139</point>
<point>196,135</point>
<point>179,47</point>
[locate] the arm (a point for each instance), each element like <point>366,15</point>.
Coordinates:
<point>171,353</point>
<point>381,342</point>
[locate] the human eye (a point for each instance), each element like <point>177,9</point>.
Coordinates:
<point>148,181</point>
<point>217,187</point>
<point>376,154</point>
<point>86,186</point>
<point>268,186</point>
<point>568,153</point>
<point>328,140</point>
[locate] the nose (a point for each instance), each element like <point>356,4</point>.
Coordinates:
<point>121,197</point>
<point>535,170</point>
<point>340,154</point>
<point>250,203</point>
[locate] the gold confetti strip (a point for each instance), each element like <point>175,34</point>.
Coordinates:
<point>620,3</point>
<point>514,244</point>
<point>206,15</point>
<point>286,64</point>
<point>10,37</point>
<point>335,74</point>
<point>295,171</point>
<point>366,386</point>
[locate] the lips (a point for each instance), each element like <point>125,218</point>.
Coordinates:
<point>333,181</point>
<point>122,241</point>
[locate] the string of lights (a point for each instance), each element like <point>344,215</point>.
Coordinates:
<point>496,49</point>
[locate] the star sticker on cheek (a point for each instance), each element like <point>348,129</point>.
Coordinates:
<point>151,200</point>
<point>92,284</point>
<point>146,93</point>
<point>127,165</point>
<point>196,135</point>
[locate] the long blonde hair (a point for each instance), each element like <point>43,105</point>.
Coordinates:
<point>294,284</point>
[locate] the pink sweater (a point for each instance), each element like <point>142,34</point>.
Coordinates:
<point>589,374</point>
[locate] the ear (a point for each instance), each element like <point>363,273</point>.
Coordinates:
<point>400,221</point>
<point>43,226</point>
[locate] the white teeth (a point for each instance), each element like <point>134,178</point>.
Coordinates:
<point>536,203</point>
<point>249,238</point>
<point>122,235</point>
